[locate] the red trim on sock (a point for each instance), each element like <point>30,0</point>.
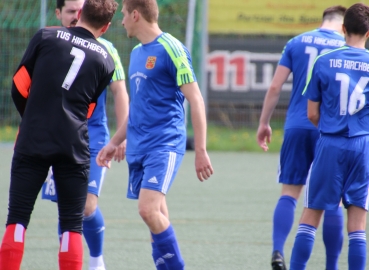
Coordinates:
<point>11,252</point>
<point>71,251</point>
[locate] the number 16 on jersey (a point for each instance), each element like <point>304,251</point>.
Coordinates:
<point>357,98</point>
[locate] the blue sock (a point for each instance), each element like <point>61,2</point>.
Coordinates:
<point>333,237</point>
<point>357,250</point>
<point>167,246</point>
<point>303,247</point>
<point>158,260</point>
<point>93,230</point>
<point>284,214</point>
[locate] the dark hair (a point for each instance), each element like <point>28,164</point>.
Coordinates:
<point>98,13</point>
<point>148,8</point>
<point>61,3</point>
<point>333,12</point>
<point>356,20</point>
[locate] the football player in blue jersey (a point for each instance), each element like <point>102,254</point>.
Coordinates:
<point>161,77</point>
<point>93,221</point>
<point>300,135</point>
<point>338,104</point>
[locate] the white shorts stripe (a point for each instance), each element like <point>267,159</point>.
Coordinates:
<point>169,173</point>
<point>18,233</point>
<point>103,171</point>
<point>306,200</point>
<point>278,172</point>
<point>367,201</point>
<point>65,242</point>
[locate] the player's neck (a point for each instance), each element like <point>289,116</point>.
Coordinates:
<point>96,32</point>
<point>148,32</point>
<point>332,25</point>
<point>356,41</point>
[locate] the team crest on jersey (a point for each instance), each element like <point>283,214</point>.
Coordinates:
<point>150,62</point>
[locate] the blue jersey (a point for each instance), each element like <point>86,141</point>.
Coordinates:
<point>339,80</point>
<point>98,123</point>
<point>299,55</point>
<point>156,114</point>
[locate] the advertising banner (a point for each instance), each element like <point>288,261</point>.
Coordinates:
<point>284,17</point>
<point>241,69</point>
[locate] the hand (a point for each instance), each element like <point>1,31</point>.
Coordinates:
<point>121,151</point>
<point>105,155</point>
<point>264,136</point>
<point>203,166</point>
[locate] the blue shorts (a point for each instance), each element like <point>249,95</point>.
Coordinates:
<point>297,154</point>
<point>154,171</point>
<point>340,171</point>
<point>95,180</point>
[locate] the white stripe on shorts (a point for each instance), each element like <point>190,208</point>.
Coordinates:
<point>169,173</point>
<point>306,200</point>
<point>102,177</point>
<point>278,172</point>
<point>367,201</point>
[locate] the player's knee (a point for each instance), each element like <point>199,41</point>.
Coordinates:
<point>91,205</point>
<point>87,212</point>
<point>293,191</point>
<point>356,219</point>
<point>147,214</point>
<point>89,209</point>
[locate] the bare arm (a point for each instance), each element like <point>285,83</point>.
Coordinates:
<point>271,99</point>
<point>313,112</point>
<point>116,146</point>
<point>121,104</point>
<point>107,153</point>
<point>202,161</point>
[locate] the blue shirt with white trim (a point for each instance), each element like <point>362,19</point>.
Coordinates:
<point>299,55</point>
<point>339,81</point>
<point>156,121</point>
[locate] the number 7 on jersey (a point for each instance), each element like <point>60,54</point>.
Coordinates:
<point>79,56</point>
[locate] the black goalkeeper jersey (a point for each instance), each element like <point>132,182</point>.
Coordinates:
<point>55,88</point>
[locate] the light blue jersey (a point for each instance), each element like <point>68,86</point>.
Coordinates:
<point>299,55</point>
<point>156,118</point>
<point>342,87</point>
<point>98,123</point>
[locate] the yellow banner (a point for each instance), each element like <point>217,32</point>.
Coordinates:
<point>268,17</point>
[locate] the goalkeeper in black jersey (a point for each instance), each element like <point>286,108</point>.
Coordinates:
<point>55,89</point>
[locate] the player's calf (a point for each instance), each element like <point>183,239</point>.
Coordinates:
<point>71,251</point>
<point>12,247</point>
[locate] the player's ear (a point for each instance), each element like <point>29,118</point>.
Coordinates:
<point>367,35</point>
<point>79,14</point>
<point>105,28</point>
<point>57,13</point>
<point>135,15</point>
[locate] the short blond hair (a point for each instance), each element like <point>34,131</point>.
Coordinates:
<point>147,8</point>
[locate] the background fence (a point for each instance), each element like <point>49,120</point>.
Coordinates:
<point>19,21</point>
<point>243,42</point>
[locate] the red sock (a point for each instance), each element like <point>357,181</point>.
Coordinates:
<point>12,247</point>
<point>71,251</point>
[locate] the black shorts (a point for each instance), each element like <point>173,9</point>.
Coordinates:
<point>27,176</point>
